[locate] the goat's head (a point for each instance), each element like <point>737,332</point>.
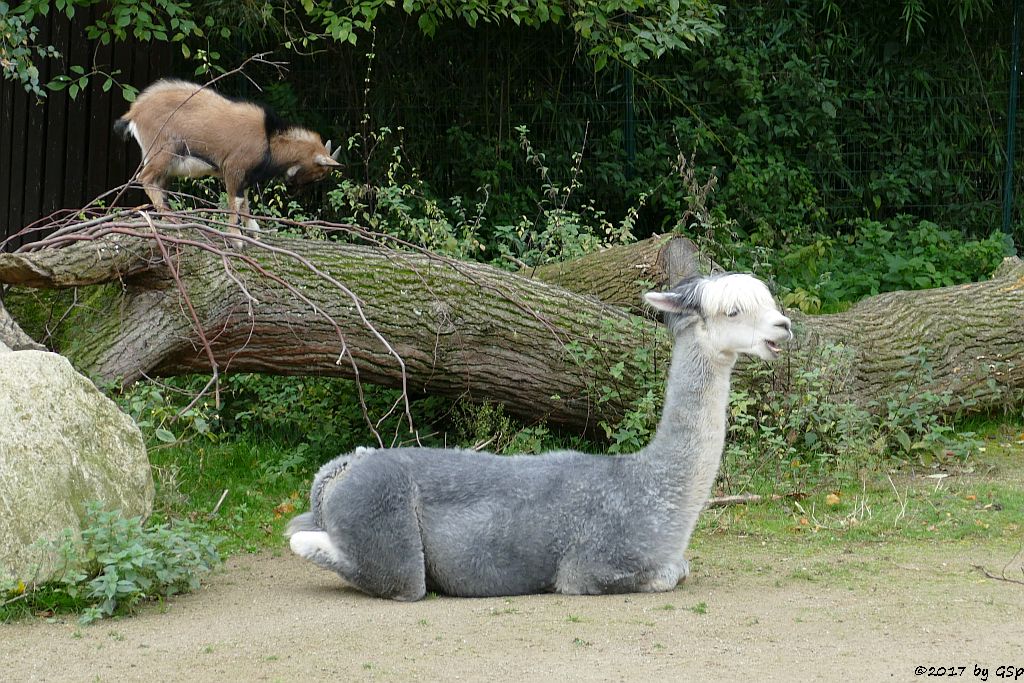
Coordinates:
<point>308,159</point>
<point>730,314</point>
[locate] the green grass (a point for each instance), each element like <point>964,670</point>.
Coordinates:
<point>980,499</point>
<point>262,494</point>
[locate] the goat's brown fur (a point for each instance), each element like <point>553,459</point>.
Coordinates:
<point>186,130</point>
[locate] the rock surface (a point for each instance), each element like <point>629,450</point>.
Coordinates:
<point>63,444</point>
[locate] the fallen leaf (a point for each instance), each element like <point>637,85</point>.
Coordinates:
<point>832,499</point>
<point>285,508</point>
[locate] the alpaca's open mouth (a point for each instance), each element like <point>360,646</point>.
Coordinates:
<point>772,346</point>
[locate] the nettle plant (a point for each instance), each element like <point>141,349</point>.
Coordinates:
<point>800,434</point>
<point>115,564</point>
<point>394,199</point>
<point>812,430</point>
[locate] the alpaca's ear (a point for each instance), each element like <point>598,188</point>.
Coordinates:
<point>668,302</point>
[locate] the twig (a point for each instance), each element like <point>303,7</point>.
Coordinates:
<point>746,499</point>
<point>1003,576</point>
<point>216,508</point>
<point>901,501</point>
<point>990,575</point>
<point>214,366</point>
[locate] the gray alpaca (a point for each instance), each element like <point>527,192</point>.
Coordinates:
<point>398,522</point>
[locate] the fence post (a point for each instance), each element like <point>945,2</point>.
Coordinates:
<point>1011,121</point>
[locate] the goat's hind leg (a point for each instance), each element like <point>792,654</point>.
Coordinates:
<point>153,178</point>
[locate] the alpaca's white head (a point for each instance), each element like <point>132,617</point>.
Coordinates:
<point>729,314</point>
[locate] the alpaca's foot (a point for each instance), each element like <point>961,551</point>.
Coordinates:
<point>668,578</point>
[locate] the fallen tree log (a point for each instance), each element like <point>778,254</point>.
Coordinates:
<point>967,340</point>
<point>432,325</point>
<point>421,322</point>
<point>621,275</point>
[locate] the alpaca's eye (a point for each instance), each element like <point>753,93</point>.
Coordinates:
<point>733,313</point>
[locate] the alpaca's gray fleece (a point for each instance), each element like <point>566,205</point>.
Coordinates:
<point>398,522</point>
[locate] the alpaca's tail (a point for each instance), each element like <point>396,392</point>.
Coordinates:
<point>303,522</point>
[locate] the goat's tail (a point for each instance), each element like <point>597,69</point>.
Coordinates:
<point>122,129</point>
<point>303,522</point>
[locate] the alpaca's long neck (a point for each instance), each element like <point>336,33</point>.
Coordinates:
<point>685,453</point>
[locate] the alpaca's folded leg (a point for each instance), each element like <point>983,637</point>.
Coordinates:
<point>372,521</point>
<point>316,547</point>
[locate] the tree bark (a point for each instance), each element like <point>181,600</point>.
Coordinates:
<point>967,340</point>
<point>621,275</point>
<point>413,320</point>
<point>436,326</point>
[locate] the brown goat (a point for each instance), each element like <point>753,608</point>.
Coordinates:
<point>188,131</point>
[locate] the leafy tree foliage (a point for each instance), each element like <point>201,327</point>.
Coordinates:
<point>20,49</point>
<point>633,31</point>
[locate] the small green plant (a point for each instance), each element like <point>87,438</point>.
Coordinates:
<point>811,433</point>
<point>870,257</point>
<point>165,412</point>
<point>642,404</point>
<point>788,436</point>
<point>115,564</point>
<point>911,422</point>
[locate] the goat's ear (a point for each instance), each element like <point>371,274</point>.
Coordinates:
<point>668,302</point>
<point>324,160</point>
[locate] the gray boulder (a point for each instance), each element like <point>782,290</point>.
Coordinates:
<point>63,444</point>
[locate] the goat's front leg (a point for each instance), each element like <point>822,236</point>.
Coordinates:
<point>250,222</point>
<point>237,205</point>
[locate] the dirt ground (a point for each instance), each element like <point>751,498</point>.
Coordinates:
<point>867,613</point>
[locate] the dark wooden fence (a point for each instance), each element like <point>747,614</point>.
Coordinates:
<point>61,153</point>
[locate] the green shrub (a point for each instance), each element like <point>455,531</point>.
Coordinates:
<point>810,433</point>
<point>116,564</point>
<point>830,273</point>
